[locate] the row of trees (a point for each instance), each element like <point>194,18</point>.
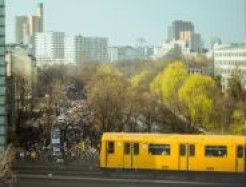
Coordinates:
<point>119,104</point>
<point>147,96</point>
<point>170,100</point>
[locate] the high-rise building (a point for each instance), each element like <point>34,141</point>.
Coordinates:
<point>179,26</point>
<point>26,27</point>
<point>34,27</point>
<point>49,47</point>
<point>40,14</point>
<point>80,49</point>
<point>20,31</point>
<point>184,31</point>
<point>2,79</point>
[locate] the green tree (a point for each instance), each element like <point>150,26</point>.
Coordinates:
<point>107,98</point>
<point>235,88</point>
<point>196,95</point>
<point>238,125</point>
<point>165,87</point>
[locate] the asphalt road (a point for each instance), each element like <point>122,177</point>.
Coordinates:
<point>27,180</point>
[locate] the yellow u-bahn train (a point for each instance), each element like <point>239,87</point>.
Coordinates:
<point>222,153</point>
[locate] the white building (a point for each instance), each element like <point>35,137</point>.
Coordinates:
<point>3,128</point>
<point>174,48</point>
<point>228,59</point>
<point>122,53</point>
<point>49,47</point>
<point>80,49</point>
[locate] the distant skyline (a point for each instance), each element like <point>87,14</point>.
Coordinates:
<point>123,21</point>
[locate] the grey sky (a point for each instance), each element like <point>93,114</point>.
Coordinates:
<point>123,21</point>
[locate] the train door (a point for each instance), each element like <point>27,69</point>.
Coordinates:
<point>131,152</point>
<point>245,158</point>
<point>183,157</point>
<point>135,155</point>
<point>127,155</point>
<point>240,159</point>
<point>186,156</point>
<point>113,154</point>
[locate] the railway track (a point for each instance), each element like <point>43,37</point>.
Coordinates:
<point>222,178</point>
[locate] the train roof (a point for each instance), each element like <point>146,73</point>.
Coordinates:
<point>155,138</point>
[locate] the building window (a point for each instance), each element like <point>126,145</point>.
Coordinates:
<point>2,140</point>
<point>159,149</point>
<point>2,70</point>
<point>2,129</point>
<point>2,101</point>
<point>2,90</point>
<point>215,151</point>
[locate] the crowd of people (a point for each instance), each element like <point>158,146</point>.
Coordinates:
<point>79,138</point>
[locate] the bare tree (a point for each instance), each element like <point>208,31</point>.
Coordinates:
<point>6,173</point>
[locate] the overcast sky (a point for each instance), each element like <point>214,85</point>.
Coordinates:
<point>123,21</point>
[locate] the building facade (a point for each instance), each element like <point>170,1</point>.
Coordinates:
<point>3,127</point>
<point>185,31</point>
<point>21,83</point>
<point>172,49</point>
<point>49,47</point>
<point>80,49</point>
<point>21,32</point>
<point>124,53</point>
<point>179,26</point>
<point>26,27</point>
<point>228,60</point>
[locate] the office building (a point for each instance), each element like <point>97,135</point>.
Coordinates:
<point>172,49</point>
<point>26,27</point>
<point>49,47</point>
<point>21,31</point>
<point>40,14</point>
<point>80,49</point>
<point>128,53</point>
<point>179,26</point>
<point>185,31</point>
<point>230,59</point>
<point>3,126</point>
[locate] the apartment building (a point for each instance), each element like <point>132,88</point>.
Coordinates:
<point>49,47</point>
<point>80,49</point>
<point>228,60</point>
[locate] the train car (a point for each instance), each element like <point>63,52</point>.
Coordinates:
<point>222,153</point>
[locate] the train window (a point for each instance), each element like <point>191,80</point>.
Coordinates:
<point>127,148</point>
<point>110,147</point>
<point>159,149</point>
<point>182,149</point>
<point>215,151</point>
<point>240,151</point>
<point>136,148</point>
<point>192,150</point>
